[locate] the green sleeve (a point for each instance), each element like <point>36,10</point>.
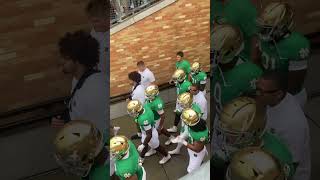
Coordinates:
<point>99,172</point>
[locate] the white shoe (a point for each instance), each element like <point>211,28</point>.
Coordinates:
<point>175,151</point>
<point>168,142</point>
<point>150,152</point>
<point>173,129</point>
<point>165,159</point>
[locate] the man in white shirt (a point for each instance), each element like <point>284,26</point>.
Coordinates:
<point>137,93</point>
<point>147,77</point>
<point>88,102</point>
<point>199,99</point>
<point>286,119</point>
<point>98,14</point>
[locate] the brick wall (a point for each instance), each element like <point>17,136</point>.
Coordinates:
<point>183,25</point>
<point>29,31</point>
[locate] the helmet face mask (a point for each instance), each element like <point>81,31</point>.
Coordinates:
<point>265,33</point>
<point>238,139</point>
<point>133,113</point>
<point>73,166</point>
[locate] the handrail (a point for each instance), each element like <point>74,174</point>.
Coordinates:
<point>50,171</point>
<point>32,107</point>
<point>121,10</point>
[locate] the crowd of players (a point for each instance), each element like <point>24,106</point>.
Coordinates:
<point>259,65</point>
<point>146,108</point>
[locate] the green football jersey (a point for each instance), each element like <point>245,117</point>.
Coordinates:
<point>184,65</point>
<point>156,105</point>
<point>199,78</point>
<point>197,109</point>
<point>183,87</point>
<point>294,50</point>
<point>202,136</point>
<point>233,83</point>
<point>273,145</point>
<point>125,168</point>
<point>240,13</point>
<point>98,172</point>
<point>146,118</point>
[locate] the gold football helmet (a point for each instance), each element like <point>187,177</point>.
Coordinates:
<point>195,68</point>
<point>134,107</point>
<point>152,91</point>
<point>226,43</point>
<point>242,122</point>
<point>275,21</point>
<point>185,100</point>
<point>119,146</point>
<point>190,117</point>
<point>179,76</point>
<point>255,164</point>
<point>76,146</point>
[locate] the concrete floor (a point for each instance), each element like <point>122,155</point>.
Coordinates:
<point>173,169</point>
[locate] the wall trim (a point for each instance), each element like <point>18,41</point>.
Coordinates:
<point>141,15</point>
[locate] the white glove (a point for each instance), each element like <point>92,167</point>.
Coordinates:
<point>180,140</point>
<point>174,140</point>
<point>140,147</point>
<point>115,130</point>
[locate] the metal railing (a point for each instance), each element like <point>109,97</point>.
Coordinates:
<point>122,9</point>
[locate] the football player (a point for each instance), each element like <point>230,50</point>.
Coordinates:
<point>242,123</point>
<point>126,159</point>
<point>231,76</point>
<point>154,101</point>
<point>198,137</point>
<point>256,163</point>
<point>242,14</point>
<point>282,48</point>
<point>81,150</point>
<point>185,100</point>
<point>179,78</point>
<point>197,76</point>
<point>144,117</point>
<point>182,63</point>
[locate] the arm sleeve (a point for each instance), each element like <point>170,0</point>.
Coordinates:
<point>298,65</point>
<point>147,127</point>
<point>93,105</point>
